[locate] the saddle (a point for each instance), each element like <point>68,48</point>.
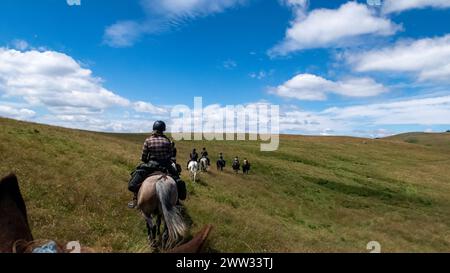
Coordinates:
<point>161,173</point>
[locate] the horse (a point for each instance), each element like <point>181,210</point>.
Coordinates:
<point>13,215</point>
<point>204,164</point>
<point>193,169</point>
<point>236,166</point>
<point>220,164</point>
<point>158,196</point>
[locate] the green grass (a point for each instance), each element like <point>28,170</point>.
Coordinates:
<point>315,194</point>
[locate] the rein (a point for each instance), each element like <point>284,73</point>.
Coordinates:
<point>37,246</point>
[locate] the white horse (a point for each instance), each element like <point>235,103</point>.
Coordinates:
<point>193,169</point>
<point>204,164</point>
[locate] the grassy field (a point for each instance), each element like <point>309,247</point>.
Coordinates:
<point>315,194</point>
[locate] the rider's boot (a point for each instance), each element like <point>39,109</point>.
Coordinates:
<point>132,204</point>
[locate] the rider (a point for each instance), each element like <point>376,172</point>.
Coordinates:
<point>236,160</point>
<point>221,157</point>
<point>156,154</point>
<point>193,156</point>
<point>204,154</point>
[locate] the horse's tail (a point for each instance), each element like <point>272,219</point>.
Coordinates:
<point>172,217</point>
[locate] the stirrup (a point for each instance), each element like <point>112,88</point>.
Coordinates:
<point>132,205</point>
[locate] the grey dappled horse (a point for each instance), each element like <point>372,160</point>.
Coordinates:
<point>157,197</point>
<point>204,164</point>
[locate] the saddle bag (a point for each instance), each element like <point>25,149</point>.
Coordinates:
<point>140,174</point>
<point>137,177</point>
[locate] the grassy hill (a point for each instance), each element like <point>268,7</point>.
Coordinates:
<point>315,194</point>
<point>436,140</point>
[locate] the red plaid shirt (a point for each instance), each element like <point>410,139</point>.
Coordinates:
<point>157,147</point>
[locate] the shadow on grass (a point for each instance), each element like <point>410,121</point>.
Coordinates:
<point>383,194</point>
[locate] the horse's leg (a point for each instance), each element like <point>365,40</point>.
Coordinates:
<point>151,232</point>
<point>158,224</point>
<point>165,236</point>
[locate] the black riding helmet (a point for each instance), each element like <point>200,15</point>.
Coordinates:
<point>159,126</point>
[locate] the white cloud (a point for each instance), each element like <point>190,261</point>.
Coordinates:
<point>323,28</point>
<point>392,6</point>
<point>312,87</point>
<point>424,111</point>
<point>189,8</point>
<point>123,34</point>
<point>16,112</point>
<point>52,79</point>
<point>298,6</point>
<point>368,120</point>
<point>261,74</point>
<point>229,64</point>
<point>429,58</point>
<point>74,2</point>
<point>307,122</point>
<point>65,93</point>
<point>20,44</point>
<point>100,123</point>
<point>145,107</point>
<point>163,15</point>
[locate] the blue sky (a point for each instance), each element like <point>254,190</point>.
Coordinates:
<point>334,67</point>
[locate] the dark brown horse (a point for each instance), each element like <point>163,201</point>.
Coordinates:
<point>13,215</point>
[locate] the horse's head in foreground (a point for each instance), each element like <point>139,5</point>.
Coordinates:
<point>13,215</point>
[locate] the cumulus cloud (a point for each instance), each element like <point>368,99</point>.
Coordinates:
<point>16,112</point>
<point>123,33</point>
<point>423,111</point>
<point>189,8</point>
<point>229,64</point>
<point>73,2</point>
<point>311,123</point>
<point>146,107</point>
<point>368,120</point>
<point>312,87</point>
<point>323,28</point>
<point>65,93</point>
<point>392,6</point>
<point>428,59</point>
<point>20,44</point>
<point>262,74</point>
<point>52,79</point>
<point>162,15</point>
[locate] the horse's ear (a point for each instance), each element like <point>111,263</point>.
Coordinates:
<point>9,186</point>
<point>196,244</point>
<point>9,189</point>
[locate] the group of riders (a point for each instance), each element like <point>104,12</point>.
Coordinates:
<point>194,156</point>
<point>159,157</point>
